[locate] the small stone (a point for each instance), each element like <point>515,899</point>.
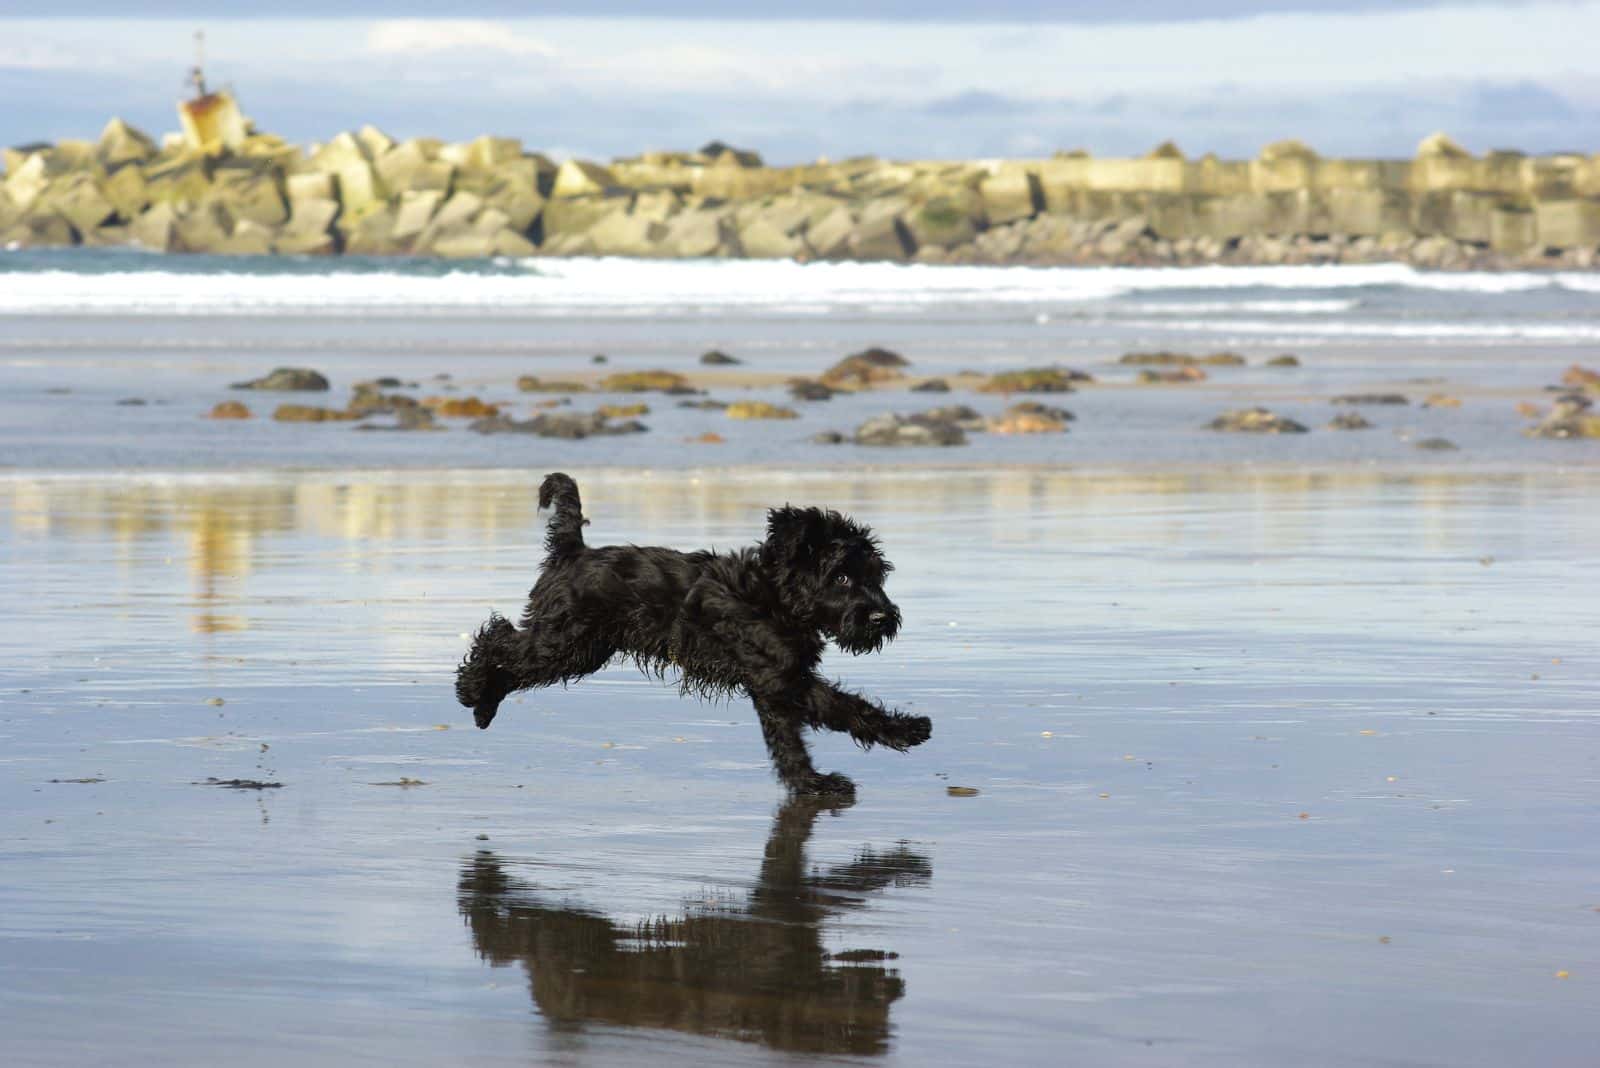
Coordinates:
<point>1371,398</point>
<point>1349,421</point>
<point>759,410</point>
<point>716,358</point>
<point>215,702</point>
<point>1438,445</point>
<point>229,410</point>
<point>301,379</point>
<point>1283,361</point>
<point>1255,421</point>
<point>961,791</point>
<point>483,838</point>
<point>931,385</point>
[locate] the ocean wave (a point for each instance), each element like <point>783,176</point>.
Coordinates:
<point>538,287</point>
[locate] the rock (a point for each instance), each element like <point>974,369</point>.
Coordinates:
<point>759,410</point>
<point>415,418</point>
<point>229,410</point>
<point>1577,377</point>
<point>961,415</point>
<point>132,402</point>
<point>882,239</point>
<point>828,437</point>
<point>622,411</point>
<point>1033,380</point>
<point>1284,361</point>
<point>714,358</point>
<point>710,437</point>
<point>306,413</point>
<point>931,385</point>
<point>577,178</point>
<point>1441,400</point>
<point>294,379</point>
<point>1437,445</point>
<point>121,143</point>
<point>898,430</point>
<point>1255,421</point>
<point>1223,359</point>
<point>460,407</point>
<point>646,382</point>
<point>570,426</point>
<point>1158,359</point>
<point>943,222</point>
<point>535,384</point>
<point>1569,418</point>
<point>707,405</point>
<point>862,369</point>
<point>1371,398</point>
<point>1022,419</point>
<point>1349,421</point>
<point>806,389</point>
<point>598,358</point>
<point>1150,376</point>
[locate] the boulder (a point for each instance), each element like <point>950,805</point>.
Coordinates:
<point>39,231</point>
<point>570,216</point>
<point>866,368</point>
<point>578,178</point>
<point>1032,380</point>
<point>1580,377</point>
<point>1031,417</point>
<point>694,233</point>
<point>416,210</point>
<point>1437,445</point>
<point>899,430</point>
<point>416,418</point>
<point>1150,376</point>
<point>535,384</point>
<point>229,410</point>
<point>1349,421</point>
<point>79,200</point>
<point>1570,417</point>
<point>1255,421</point>
<point>125,189</point>
<point>961,415</point>
<point>1371,398</point>
<point>761,239</point>
<point>1009,194</point>
<point>154,229</point>
<point>623,411</point>
<point>247,239</point>
<point>829,236</point>
<point>460,407</point>
<point>621,234</point>
<point>307,413</point>
<point>311,185</point>
<point>931,385</point>
<point>297,379</point>
<point>759,410</point>
<point>943,222</point>
<point>572,426</point>
<point>121,143</point>
<point>646,382</point>
<point>1284,361</point>
<point>255,199</point>
<point>806,389</point>
<point>1441,400</point>
<point>717,358</point>
<point>203,229</point>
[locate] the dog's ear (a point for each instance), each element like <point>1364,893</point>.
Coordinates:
<point>796,538</point>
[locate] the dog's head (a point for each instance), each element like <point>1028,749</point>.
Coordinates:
<point>830,574</point>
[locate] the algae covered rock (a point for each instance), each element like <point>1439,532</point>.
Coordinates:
<point>931,385</point>
<point>535,384</point>
<point>460,407</point>
<point>1151,376</point>
<point>1570,417</point>
<point>717,358</point>
<point>806,389</point>
<point>759,410</point>
<point>899,430</point>
<point>308,413</point>
<point>229,410</point>
<point>1031,417</point>
<point>1285,360</point>
<point>865,368</point>
<point>1255,421</point>
<point>288,379</point>
<point>646,382</point>
<point>1032,380</point>
<point>1349,421</point>
<point>1372,398</point>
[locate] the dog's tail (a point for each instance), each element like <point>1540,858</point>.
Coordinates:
<point>565,535</point>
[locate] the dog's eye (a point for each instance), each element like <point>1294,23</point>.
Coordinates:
<point>843,580</point>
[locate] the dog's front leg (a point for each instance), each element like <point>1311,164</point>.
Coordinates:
<point>868,722</point>
<point>781,721</point>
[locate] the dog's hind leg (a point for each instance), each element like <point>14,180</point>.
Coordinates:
<point>781,730</point>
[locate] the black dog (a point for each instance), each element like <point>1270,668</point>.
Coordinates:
<point>755,621</point>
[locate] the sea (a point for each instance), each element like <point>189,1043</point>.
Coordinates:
<point>1247,749</point>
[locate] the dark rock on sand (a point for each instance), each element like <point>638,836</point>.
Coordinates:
<point>717,358</point>
<point>290,379</point>
<point>568,425</point>
<point>132,402</point>
<point>599,358</point>
<point>535,384</point>
<point>962,415</point>
<point>932,385</point>
<point>416,418</point>
<point>229,410</point>
<point>759,410</point>
<point>1437,445</point>
<point>307,413</point>
<point>706,405</point>
<point>901,430</point>
<point>829,437</point>
<point>1371,398</point>
<point>1569,418</point>
<point>1255,421</point>
<point>646,382</point>
<point>1284,361</point>
<point>806,389</point>
<point>1031,417</point>
<point>866,368</point>
<point>1033,380</point>
<point>1188,373</point>
<point>1349,421</point>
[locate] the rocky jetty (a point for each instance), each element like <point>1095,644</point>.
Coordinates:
<point>235,190</point>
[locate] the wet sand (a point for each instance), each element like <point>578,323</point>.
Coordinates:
<point>1272,768</point>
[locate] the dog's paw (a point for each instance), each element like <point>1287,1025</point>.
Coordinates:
<point>830,785</point>
<point>904,732</point>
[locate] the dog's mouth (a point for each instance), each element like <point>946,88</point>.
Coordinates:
<point>867,632</point>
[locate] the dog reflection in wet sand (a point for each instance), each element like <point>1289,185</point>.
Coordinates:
<point>754,971</point>
<point>754,621</point>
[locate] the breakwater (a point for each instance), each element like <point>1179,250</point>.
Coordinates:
<point>231,189</point>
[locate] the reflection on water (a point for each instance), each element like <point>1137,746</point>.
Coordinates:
<point>754,970</point>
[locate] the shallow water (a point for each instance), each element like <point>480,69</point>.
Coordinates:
<point>1273,768</point>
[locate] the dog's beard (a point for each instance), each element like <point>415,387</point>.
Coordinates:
<point>857,635</point>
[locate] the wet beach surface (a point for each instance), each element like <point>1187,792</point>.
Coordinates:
<point>1272,767</point>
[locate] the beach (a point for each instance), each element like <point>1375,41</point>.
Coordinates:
<point>1248,749</point>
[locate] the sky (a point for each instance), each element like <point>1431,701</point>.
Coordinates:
<point>909,80</point>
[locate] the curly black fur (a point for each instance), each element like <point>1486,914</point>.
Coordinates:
<point>753,621</point>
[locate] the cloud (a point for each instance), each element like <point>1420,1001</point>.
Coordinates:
<point>975,102</point>
<point>435,37</point>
